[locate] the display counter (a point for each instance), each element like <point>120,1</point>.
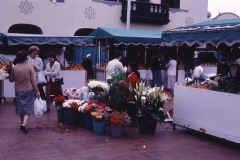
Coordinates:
<point>71,78</point>
<point>100,74</point>
<point>210,70</point>
<point>210,112</point>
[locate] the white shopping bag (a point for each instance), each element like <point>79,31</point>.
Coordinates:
<point>149,75</point>
<point>39,107</point>
<point>41,78</point>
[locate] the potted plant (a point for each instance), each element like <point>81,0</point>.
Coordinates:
<point>58,103</point>
<point>98,88</point>
<point>99,123</point>
<point>149,102</point>
<point>71,108</point>
<point>117,121</point>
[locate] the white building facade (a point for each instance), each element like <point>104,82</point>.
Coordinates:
<point>79,17</point>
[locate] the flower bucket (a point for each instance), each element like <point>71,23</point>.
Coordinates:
<point>117,130</point>
<point>88,120</point>
<point>60,115</point>
<point>99,128</point>
<point>72,117</point>
<point>147,125</point>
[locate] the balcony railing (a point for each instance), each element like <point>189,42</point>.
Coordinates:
<point>146,12</point>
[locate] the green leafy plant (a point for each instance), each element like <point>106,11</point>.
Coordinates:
<point>116,97</point>
<point>150,101</point>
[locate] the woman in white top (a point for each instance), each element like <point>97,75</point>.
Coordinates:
<point>52,72</point>
<point>37,65</point>
<point>171,74</point>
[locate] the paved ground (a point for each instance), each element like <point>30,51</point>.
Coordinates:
<point>48,139</point>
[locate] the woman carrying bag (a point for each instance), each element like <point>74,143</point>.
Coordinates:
<point>52,72</point>
<point>37,65</point>
<point>25,88</point>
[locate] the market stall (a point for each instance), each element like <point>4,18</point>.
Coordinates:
<point>205,107</point>
<point>122,37</point>
<point>72,74</point>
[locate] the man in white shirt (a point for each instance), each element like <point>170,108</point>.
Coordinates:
<point>114,66</point>
<point>198,72</point>
<point>171,74</point>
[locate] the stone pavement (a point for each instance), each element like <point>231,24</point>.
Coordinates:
<point>48,139</point>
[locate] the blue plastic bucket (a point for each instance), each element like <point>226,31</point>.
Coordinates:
<point>72,117</point>
<point>88,120</point>
<point>99,128</point>
<point>60,115</point>
<point>147,125</point>
<point>117,130</point>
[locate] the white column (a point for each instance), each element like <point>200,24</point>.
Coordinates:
<point>128,14</point>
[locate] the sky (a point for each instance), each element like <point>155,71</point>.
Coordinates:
<point>216,6</point>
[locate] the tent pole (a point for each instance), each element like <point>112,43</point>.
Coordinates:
<point>177,66</point>
<point>128,14</point>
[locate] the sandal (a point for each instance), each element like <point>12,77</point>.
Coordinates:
<point>24,128</point>
<point>21,127</point>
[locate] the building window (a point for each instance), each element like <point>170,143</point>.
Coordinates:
<point>60,1</point>
<point>114,0</point>
<point>172,3</point>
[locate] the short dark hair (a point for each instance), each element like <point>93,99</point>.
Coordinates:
<point>21,56</point>
<point>117,54</point>
<point>52,55</point>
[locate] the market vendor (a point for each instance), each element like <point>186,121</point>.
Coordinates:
<point>87,65</point>
<point>132,79</point>
<point>198,72</point>
<point>114,66</point>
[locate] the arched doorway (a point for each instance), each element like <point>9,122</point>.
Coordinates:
<point>83,32</point>
<point>25,28</point>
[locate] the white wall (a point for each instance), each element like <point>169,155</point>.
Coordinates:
<point>66,18</point>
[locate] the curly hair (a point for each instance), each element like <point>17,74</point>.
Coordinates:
<point>33,48</point>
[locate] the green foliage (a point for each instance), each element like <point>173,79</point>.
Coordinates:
<point>117,94</point>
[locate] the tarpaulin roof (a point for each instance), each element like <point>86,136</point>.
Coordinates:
<point>29,39</point>
<point>214,32</point>
<point>128,36</point>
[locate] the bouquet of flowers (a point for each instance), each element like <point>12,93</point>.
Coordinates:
<point>150,101</point>
<point>88,107</point>
<point>58,101</point>
<point>98,112</point>
<point>119,118</point>
<point>74,104</point>
<point>5,70</point>
<point>98,86</point>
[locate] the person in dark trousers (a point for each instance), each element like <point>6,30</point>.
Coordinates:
<point>87,65</point>
<point>156,70</point>
<point>37,65</point>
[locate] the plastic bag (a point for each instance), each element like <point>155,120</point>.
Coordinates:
<point>41,78</point>
<point>68,93</point>
<point>149,75</point>
<point>39,107</point>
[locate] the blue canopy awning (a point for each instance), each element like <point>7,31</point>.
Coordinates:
<point>214,32</point>
<point>30,39</point>
<point>128,36</point>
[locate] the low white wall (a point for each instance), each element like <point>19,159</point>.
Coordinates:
<point>211,112</point>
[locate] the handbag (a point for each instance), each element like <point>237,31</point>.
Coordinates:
<point>59,81</point>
